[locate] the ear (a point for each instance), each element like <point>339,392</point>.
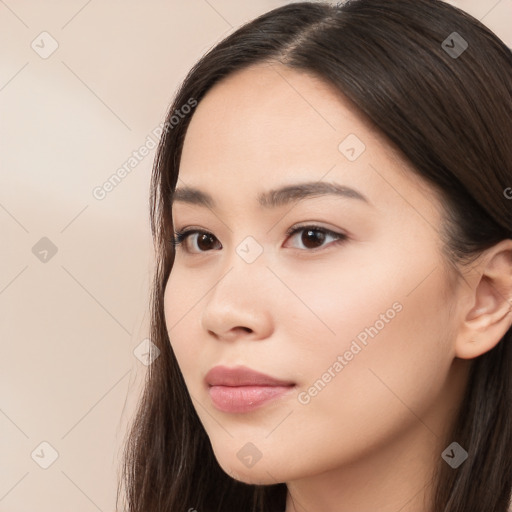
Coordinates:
<point>489,313</point>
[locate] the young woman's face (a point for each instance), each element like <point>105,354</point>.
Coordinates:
<point>354,309</point>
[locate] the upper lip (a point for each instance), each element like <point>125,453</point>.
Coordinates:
<point>241,376</point>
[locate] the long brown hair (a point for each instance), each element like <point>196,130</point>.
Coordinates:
<point>444,100</point>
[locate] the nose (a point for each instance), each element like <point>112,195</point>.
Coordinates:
<point>238,305</point>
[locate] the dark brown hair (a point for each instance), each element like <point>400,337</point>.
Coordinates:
<point>451,117</point>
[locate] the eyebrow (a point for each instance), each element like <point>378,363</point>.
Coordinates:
<point>274,198</point>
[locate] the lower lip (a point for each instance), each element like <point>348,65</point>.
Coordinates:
<point>244,398</point>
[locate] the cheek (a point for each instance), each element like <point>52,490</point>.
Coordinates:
<point>181,300</point>
<point>384,338</point>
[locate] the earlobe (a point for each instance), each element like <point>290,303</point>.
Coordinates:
<point>490,315</point>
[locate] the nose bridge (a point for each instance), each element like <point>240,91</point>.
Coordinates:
<point>239,297</point>
<point>244,271</point>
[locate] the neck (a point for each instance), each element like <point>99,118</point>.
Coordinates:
<point>392,479</point>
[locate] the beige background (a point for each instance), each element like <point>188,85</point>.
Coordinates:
<point>70,321</point>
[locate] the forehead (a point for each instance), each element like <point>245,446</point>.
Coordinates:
<point>268,125</point>
<point>270,112</point>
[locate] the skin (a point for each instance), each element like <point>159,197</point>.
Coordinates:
<point>371,438</point>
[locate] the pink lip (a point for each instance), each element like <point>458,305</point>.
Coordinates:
<point>241,376</point>
<point>241,389</point>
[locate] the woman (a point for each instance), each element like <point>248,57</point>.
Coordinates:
<point>332,300</point>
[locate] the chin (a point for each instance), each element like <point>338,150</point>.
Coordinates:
<point>254,478</point>
<point>256,475</point>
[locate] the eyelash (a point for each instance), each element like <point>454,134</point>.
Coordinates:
<point>181,236</point>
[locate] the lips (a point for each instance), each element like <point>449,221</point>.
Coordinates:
<point>241,389</point>
<point>241,376</point>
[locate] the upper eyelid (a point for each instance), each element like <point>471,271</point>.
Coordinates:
<point>298,225</point>
<point>195,230</point>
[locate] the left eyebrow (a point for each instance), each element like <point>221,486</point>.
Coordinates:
<point>276,197</point>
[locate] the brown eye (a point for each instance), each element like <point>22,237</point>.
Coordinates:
<point>314,237</point>
<point>204,240</point>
